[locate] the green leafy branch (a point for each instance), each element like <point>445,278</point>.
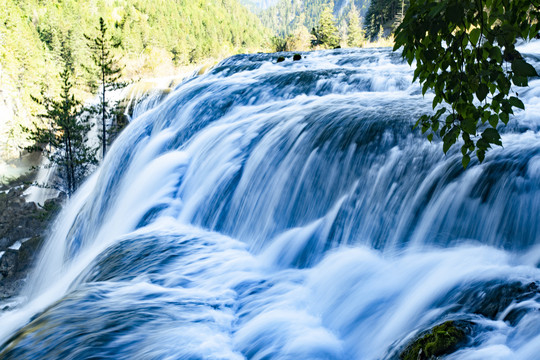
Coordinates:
<point>465,53</point>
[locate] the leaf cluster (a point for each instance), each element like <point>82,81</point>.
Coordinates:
<point>465,52</point>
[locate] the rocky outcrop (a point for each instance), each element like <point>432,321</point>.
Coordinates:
<point>22,228</point>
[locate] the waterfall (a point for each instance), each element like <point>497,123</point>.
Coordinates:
<point>134,99</point>
<point>287,210</point>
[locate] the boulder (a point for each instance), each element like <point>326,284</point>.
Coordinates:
<point>9,263</point>
<point>28,251</point>
<point>25,223</point>
<point>442,339</point>
<point>490,299</point>
<point>10,289</point>
<point>4,243</point>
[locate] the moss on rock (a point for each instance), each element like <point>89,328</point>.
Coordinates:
<point>442,339</point>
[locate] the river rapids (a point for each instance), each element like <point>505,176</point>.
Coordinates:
<point>288,210</point>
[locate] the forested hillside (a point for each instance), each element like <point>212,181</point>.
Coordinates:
<point>152,33</point>
<point>384,13</point>
<point>285,16</point>
<point>258,4</point>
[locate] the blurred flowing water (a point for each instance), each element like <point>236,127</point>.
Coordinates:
<point>287,211</point>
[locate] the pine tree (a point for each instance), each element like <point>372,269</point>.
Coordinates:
<point>355,34</point>
<point>108,73</point>
<point>64,141</point>
<point>382,13</point>
<point>327,33</point>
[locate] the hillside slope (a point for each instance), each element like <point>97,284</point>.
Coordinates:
<point>258,4</point>
<point>285,16</point>
<point>153,34</point>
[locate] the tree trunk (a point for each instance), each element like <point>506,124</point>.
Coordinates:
<point>103,102</point>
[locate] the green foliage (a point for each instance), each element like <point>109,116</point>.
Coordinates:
<point>278,44</point>
<point>299,40</point>
<point>355,34</point>
<point>210,27</point>
<point>465,52</point>
<point>326,32</point>
<point>385,14</point>
<point>442,339</point>
<point>107,73</point>
<point>285,17</point>
<point>179,31</point>
<point>63,141</point>
<point>23,71</point>
<point>196,29</point>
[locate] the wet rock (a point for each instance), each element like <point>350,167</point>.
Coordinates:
<point>297,57</point>
<point>442,339</point>
<point>9,263</point>
<point>11,288</point>
<point>280,59</point>
<point>28,251</point>
<point>492,298</point>
<point>22,228</point>
<point>4,243</point>
<point>53,206</point>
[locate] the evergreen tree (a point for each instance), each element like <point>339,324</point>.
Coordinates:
<point>63,142</point>
<point>278,44</point>
<point>30,37</point>
<point>327,33</point>
<point>300,39</point>
<point>401,14</point>
<point>108,73</point>
<point>355,34</point>
<point>382,13</point>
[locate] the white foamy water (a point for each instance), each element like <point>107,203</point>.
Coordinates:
<point>287,211</point>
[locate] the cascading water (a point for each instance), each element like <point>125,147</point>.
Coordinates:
<point>287,211</point>
<point>135,99</point>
